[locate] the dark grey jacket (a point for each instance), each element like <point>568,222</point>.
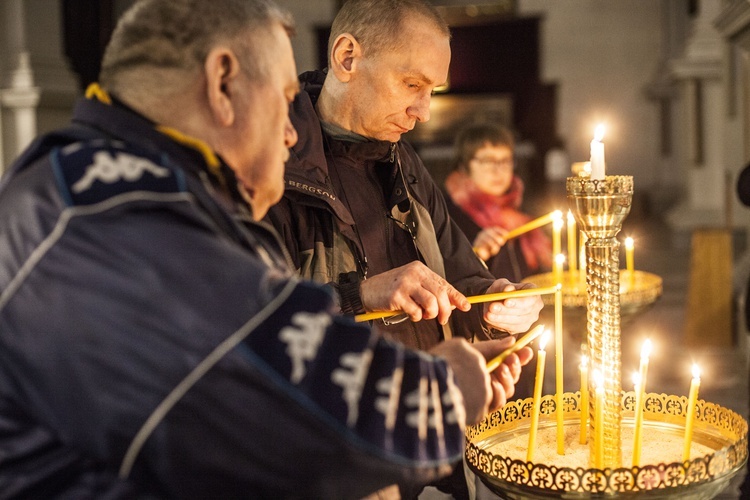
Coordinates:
<point>352,210</point>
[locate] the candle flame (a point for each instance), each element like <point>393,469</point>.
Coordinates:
<point>571,218</point>
<point>696,371</point>
<point>646,349</point>
<point>584,361</point>
<point>543,340</point>
<point>556,215</point>
<point>560,258</point>
<point>599,132</point>
<point>636,379</point>
<point>558,223</point>
<point>629,243</point>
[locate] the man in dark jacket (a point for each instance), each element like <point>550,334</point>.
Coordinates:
<point>360,211</point>
<point>152,341</point>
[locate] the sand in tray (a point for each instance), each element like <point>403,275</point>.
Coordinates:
<point>658,447</point>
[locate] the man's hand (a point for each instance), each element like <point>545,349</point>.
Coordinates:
<point>482,392</point>
<point>489,241</point>
<point>413,289</point>
<point>515,315</point>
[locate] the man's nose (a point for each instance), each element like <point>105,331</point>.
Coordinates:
<point>420,109</point>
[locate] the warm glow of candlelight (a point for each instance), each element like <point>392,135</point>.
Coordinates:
<point>538,381</point>
<point>572,243</point>
<point>598,420</point>
<point>584,367</point>
<point>690,418</point>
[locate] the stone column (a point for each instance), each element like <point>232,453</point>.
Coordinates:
<point>698,72</point>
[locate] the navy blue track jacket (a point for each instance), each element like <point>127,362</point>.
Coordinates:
<point>153,343</point>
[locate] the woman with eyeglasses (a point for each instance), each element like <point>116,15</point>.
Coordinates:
<point>484,198</point>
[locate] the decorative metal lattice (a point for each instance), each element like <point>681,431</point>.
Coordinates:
<point>719,428</point>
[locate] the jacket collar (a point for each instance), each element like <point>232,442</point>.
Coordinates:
<point>306,173</point>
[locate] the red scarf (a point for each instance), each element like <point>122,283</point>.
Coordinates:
<point>503,211</point>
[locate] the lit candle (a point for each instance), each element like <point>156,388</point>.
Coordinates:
<point>629,260</point>
<point>584,398</point>
<point>538,381</point>
<point>557,225</point>
<point>559,259</point>
<point>558,263</point>
<point>692,401</point>
<point>582,259</point>
<point>599,420</point>
<point>572,253</point>
<point>639,380</point>
<point>597,154</point>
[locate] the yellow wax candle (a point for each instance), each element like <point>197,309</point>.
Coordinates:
<point>538,222</point>
<point>584,398</point>
<point>557,268</point>
<point>690,419</point>
<point>557,225</point>
<point>629,261</point>
<point>538,381</point>
<point>559,259</point>
<point>640,393</point>
<point>572,243</point>
<point>582,259</point>
<point>599,420</point>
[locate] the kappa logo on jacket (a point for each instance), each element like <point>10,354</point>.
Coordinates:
<point>122,166</point>
<point>92,172</point>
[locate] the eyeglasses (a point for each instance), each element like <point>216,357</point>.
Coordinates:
<point>492,163</point>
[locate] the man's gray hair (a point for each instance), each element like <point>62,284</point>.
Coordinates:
<point>378,24</point>
<point>158,38</point>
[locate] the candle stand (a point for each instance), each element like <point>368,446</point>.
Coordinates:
<point>599,207</point>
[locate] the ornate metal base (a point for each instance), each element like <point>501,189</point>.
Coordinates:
<point>635,296</point>
<point>720,429</point>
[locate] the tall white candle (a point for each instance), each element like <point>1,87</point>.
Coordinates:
<point>597,154</point>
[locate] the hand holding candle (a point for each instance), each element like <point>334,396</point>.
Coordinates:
<point>639,380</point>
<point>597,154</point>
<point>538,381</point>
<point>690,419</point>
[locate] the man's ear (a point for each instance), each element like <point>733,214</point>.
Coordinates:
<point>222,69</point>
<point>345,55</point>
